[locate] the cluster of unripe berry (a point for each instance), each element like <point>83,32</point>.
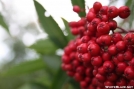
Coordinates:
<point>96,58</point>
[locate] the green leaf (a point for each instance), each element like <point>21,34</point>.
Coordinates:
<point>59,80</point>
<point>81,4</point>
<point>130,4</point>
<point>25,68</point>
<point>3,23</point>
<point>44,46</point>
<point>53,62</point>
<point>50,26</point>
<point>67,28</point>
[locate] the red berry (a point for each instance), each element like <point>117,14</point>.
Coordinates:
<point>97,6</point>
<point>96,61</point>
<point>76,8</point>
<point>121,46</point>
<point>101,70</point>
<point>90,16</point>
<point>106,56</point>
<point>111,77</point>
<point>112,12</point>
<point>94,49</point>
<point>103,28</point>
<point>112,24</point>
<point>128,55</point>
<point>82,48</point>
<point>116,37</point>
<point>103,10</point>
<point>86,57</point>
<point>121,67</point>
<point>108,66</point>
<point>100,77</point>
<point>129,38</point>
<point>95,22</point>
<point>124,12</point>
<point>112,50</point>
<point>129,72</point>
<point>132,63</point>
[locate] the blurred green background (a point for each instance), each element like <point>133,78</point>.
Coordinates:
<point>32,37</point>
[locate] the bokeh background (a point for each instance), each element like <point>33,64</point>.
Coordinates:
<point>30,57</point>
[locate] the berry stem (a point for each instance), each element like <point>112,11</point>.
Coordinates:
<point>122,30</point>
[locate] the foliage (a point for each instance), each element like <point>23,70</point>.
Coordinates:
<point>45,71</point>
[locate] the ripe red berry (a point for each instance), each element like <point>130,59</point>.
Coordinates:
<point>132,62</point>
<point>76,8</point>
<point>112,77</point>
<point>124,12</point>
<point>112,24</point>
<point>100,77</point>
<point>95,22</point>
<point>86,57</point>
<point>96,61</point>
<point>116,37</point>
<point>90,16</point>
<point>129,38</point>
<point>108,66</point>
<point>120,57</point>
<point>103,28</point>
<point>97,6</point>
<point>128,55</point>
<point>106,56</point>
<point>121,46</point>
<point>101,70</point>
<point>121,67</point>
<point>112,12</point>
<point>82,48</point>
<point>94,49</point>
<point>129,72</point>
<point>112,50</point>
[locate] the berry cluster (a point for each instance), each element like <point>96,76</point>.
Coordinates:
<point>96,58</point>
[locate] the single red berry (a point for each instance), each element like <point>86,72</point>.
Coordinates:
<point>115,60</point>
<point>76,63</point>
<point>86,57</point>
<point>96,61</point>
<point>82,22</point>
<point>128,55</point>
<point>106,40</point>
<point>90,16</point>
<point>116,37</point>
<point>129,38</point>
<point>112,12</point>
<point>81,29</point>
<point>112,50</point>
<point>70,73</point>
<point>73,24</point>
<point>95,22</point>
<point>74,31</point>
<point>100,77</point>
<point>129,72</point>
<point>85,39</point>
<point>78,77</point>
<point>121,67</point>
<point>106,56</point>
<point>94,49</point>
<point>120,57</point>
<point>124,12</point>
<point>101,70</point>
<point>108,66</point>
<point>68,67</point>
<point>67,50</point>
<point>65,59</point>
<point>104,18</point>
<point>103,10</point>
<point>76,8</point>
<point>112,77</point>
<point>97,6</point>
<point>82,48</point>
<point>80,69</point>
<point>103,28</point>
<point>120,46</point>
<point>112,24</point>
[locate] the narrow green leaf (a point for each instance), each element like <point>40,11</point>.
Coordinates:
<point>3,23</point>
<point>25,68</point>
<point>44,46</point>
<point>81,4</point>
<point>50,26</point>
<point>67,28</point>
<point>130,4</point>
<point>59,80</point>
<point>52,61</point>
